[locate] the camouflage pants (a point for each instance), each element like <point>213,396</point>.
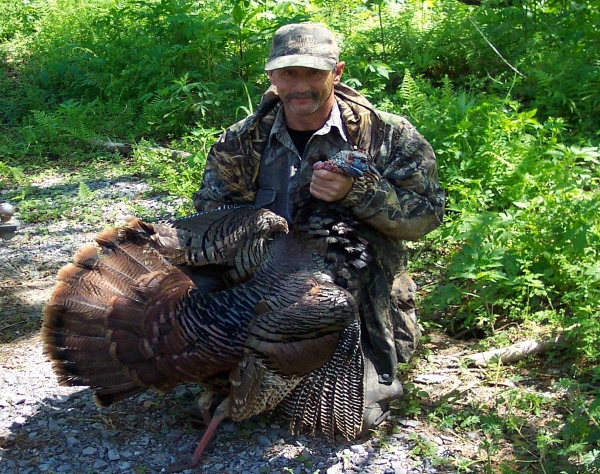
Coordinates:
<point>404,316</point>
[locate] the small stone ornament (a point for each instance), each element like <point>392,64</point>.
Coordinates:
<point>7,228</point>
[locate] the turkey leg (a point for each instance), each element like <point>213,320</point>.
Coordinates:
<point>219,415</point>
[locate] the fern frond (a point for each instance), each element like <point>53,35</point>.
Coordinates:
<point>415,100</point>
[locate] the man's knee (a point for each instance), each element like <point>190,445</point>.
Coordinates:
<point>406,327</point>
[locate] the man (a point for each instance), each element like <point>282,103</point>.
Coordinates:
<point>264,158</point>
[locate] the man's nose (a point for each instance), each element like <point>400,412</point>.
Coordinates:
<point>301,87</point>
<point>302,84</point>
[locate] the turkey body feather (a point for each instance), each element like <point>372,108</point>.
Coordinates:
<point>228,299</point>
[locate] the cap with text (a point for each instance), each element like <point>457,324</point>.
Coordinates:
<point>303,44</point>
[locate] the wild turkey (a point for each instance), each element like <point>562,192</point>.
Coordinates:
<point>228,299</point>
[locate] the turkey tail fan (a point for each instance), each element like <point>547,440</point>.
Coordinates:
<point>85,327</point>
<point>112,321</point>
<point>331,399</point>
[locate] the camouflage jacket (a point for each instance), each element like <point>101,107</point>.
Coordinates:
<point>406,202</point>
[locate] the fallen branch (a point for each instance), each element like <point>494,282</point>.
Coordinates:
<point>517,351</point>
<point>127,148</point>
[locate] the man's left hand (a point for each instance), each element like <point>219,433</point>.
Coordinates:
<point>329,186</point>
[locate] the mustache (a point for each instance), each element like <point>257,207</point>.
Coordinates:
<point>302,95</point>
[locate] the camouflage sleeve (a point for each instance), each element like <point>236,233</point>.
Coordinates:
<point>209,196</point>
<point>407,201</point>
<point>229,174</point>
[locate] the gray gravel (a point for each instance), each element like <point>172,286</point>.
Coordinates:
<point>48,428</point>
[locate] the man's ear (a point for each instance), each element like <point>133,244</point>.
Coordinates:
<point>270,74</point>
<point>337,74</point>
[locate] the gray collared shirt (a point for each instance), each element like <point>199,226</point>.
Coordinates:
<point>282,168</point>
<point>279,136</point>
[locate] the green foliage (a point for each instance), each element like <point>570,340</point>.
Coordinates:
<point>11,175</point>
<point>553,47</point>
<point>422,447</point>
<point>18,18</point>
<point>527,419</point>
<point>177,176</point>
<point>56,132</point>
<point>523,218</point>
<point>582,428</point>
<point>411,400</point>
<point>149,67</point>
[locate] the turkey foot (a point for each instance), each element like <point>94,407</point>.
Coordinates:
<point>219,415</point>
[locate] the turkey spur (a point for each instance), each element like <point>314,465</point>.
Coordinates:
<point>228,299</point>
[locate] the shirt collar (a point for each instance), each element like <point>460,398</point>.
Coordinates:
<point>334,120</point>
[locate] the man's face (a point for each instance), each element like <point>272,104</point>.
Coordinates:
<point>306,91</point>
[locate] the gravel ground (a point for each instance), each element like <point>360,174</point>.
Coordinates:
<point>48,428</point>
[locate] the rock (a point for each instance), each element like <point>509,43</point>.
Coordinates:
<point>263,440</point>
<point>358,449</point>
<point>306,454</point>
<point>113,455</point>
<point>398,469</point>
<point>409,423</point>
<point>431,378</point>
<point>110,433</point>
<point>61,399</point>
<point>100,464</point>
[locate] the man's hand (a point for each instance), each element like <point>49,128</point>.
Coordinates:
<point>330,186</point>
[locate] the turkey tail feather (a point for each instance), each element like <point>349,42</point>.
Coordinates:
<point>331,398</point>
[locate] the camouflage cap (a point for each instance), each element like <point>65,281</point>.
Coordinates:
<point>303,44</point>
